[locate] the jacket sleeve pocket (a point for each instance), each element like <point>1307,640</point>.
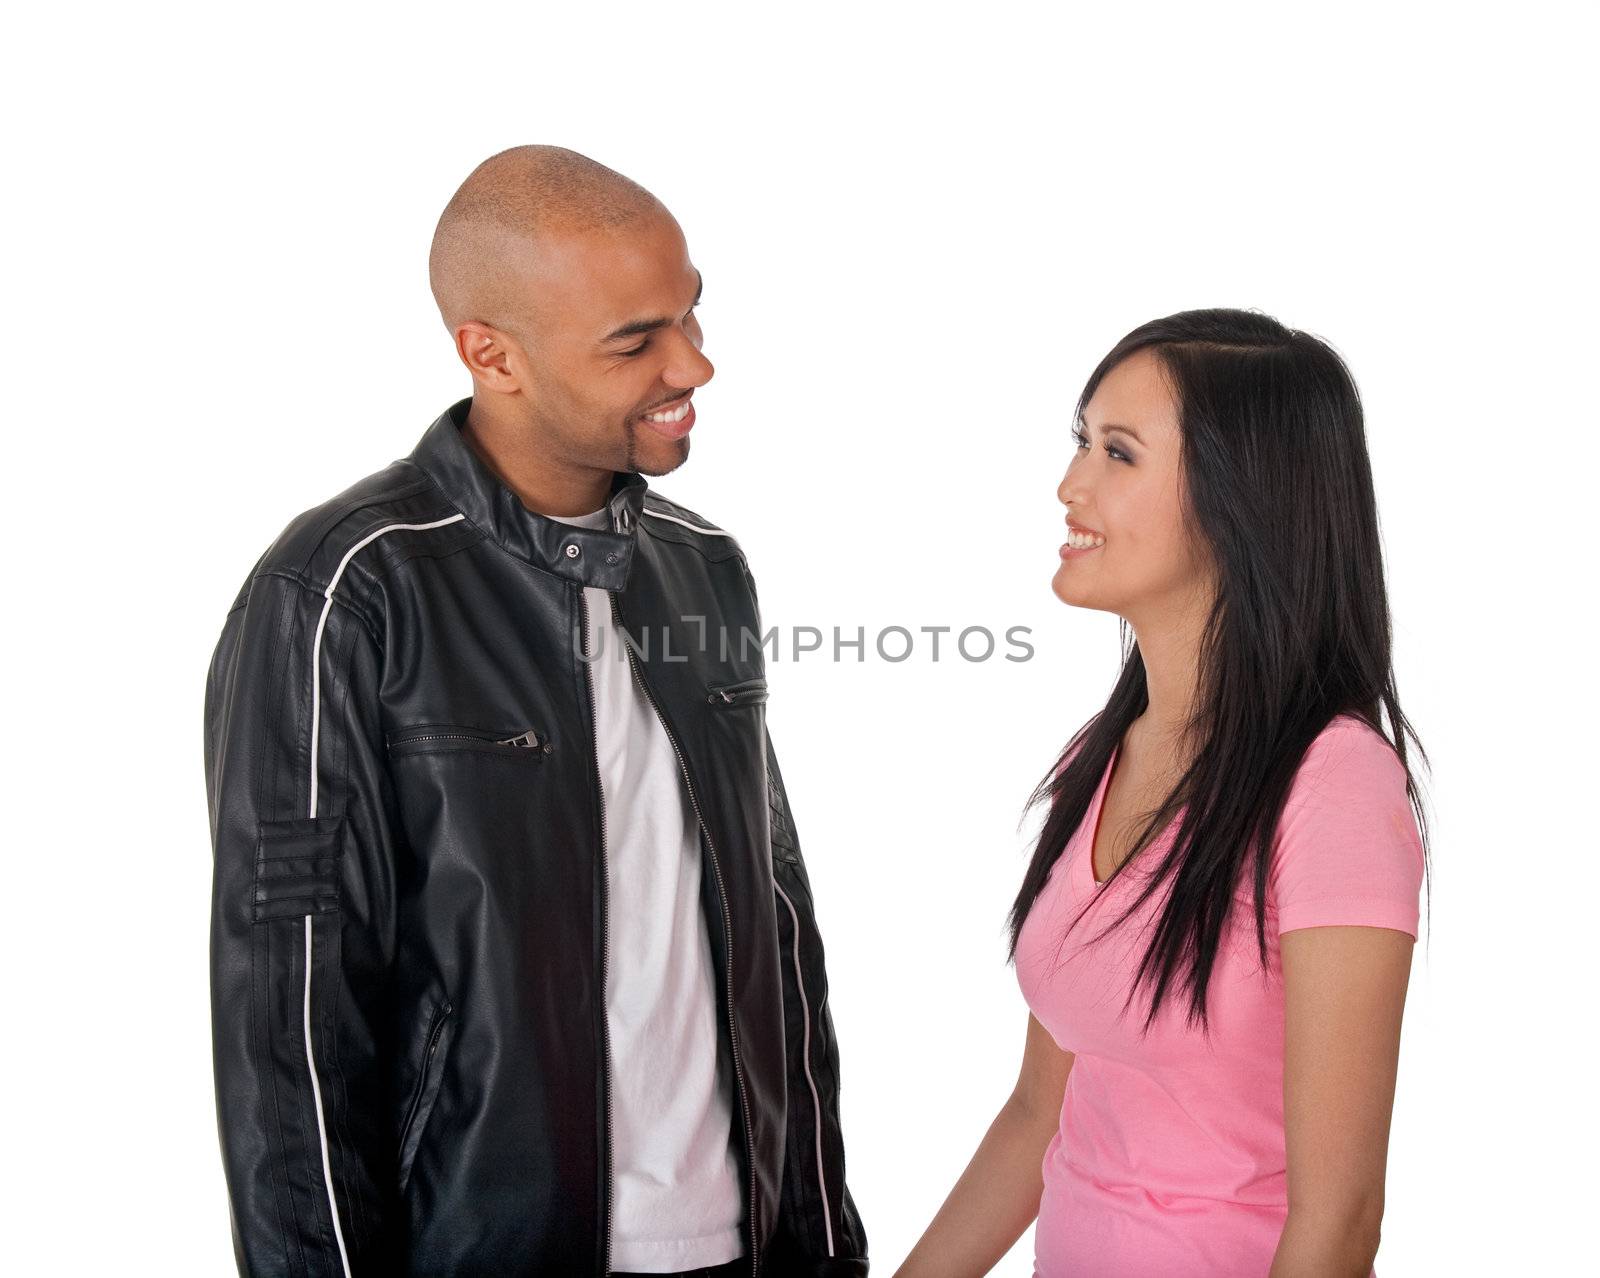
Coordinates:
<point>297,868</point>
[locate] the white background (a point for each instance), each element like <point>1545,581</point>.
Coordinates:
<point>919,229</point>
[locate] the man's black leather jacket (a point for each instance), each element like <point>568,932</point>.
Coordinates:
<point>409,921</point>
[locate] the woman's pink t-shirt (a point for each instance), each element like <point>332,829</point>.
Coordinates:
<point>1169,1159</point>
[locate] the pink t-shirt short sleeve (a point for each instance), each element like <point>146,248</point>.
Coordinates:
<point>1169,1157</point>
<point>1347,849</point>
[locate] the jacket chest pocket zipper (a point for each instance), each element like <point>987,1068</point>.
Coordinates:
<point>749,692</point>
<point>427,1091</point>
<point>433,738</point>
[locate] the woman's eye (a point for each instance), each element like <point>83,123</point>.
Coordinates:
<point>1116,454</point>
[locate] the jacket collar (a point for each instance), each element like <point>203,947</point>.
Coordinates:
<point>589,556</point>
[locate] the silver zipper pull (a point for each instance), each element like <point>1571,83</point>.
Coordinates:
<point>528,738</point>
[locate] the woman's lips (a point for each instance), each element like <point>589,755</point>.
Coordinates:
<point>1078,532</point>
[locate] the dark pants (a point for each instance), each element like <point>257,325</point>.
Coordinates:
<point>733,1269</point>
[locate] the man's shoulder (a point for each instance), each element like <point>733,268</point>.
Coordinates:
<point>667,520</point>
<point>316,545</point>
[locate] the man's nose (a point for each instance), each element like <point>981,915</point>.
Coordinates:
<point>689,366</point>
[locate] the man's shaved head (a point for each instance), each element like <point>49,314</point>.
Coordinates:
<point>570,296</point>
<point>498,217</point>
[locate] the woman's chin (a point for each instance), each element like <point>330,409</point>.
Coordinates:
<point>1065,588</point>
<point>1070,589</point>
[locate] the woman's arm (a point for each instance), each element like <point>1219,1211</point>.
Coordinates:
<point>997,1196</point>
<point>1344,992</point>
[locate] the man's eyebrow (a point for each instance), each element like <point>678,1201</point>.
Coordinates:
<point>640,327</point>
<point>1111,426</point>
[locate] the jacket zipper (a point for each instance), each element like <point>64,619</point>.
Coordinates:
<point>605,944</point>
<point>440,1017</point>
<point>733,694</point>
<point>727,935</point>
<point>427,1060</point>
<point>528,739</point>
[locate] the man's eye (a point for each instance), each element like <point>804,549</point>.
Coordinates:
<point>645,345</point>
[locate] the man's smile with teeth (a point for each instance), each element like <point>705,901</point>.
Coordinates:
<point>672,415</point>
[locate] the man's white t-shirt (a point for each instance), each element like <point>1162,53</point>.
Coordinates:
<point>676,1201</point>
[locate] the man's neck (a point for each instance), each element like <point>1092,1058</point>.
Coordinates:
<point>530,477</point>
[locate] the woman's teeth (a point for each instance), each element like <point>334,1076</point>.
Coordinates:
<point>676,415</point>
<point>1082,541</point>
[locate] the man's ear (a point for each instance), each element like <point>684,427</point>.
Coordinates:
<point>486,352</point>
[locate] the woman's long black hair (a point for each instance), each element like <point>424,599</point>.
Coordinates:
<point>1278,489</point>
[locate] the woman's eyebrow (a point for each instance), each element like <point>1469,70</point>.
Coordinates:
<point>1111,426</point>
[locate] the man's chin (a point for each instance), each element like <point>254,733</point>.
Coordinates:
<point>664,458</point>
